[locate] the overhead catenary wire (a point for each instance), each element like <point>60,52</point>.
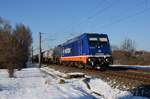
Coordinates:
<point>128,16</point>
<point>125,18</point>
<point>121,13</point>
<point>111,23</point>
<point>100,11</point>
<point>84,18</point>
<point>47,39</point>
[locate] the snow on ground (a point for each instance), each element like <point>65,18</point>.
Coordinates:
<point>107,92</point>
<point>32,83</point>
<point>97,85</point>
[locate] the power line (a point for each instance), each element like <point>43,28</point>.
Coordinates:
<point>123,12</point>
<point>127,17</point>
<point>124,18</point>
<point>47,39</point>
<point>70,25</point>
<point>101,11</point>
<point>91,16</point>
<point>114,22</point>
<point>95,14</point>
<point>126,10</point>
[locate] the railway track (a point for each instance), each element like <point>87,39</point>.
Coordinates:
<point>136,81</point>
<point>138,75</point>
<point>138,84</point>
<point>142,77</point>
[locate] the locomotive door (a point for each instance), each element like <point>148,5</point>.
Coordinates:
<point>80,47</point>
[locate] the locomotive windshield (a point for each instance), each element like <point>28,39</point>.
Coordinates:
<point>93,41</point>
<point>97,41</point>
<point>103,40</point>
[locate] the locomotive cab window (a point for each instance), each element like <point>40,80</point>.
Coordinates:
<point>103,40</point>
<point>93,41</point>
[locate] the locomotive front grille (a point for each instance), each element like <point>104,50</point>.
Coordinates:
<point>99,61</point>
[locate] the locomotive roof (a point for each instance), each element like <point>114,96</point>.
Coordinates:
<point>78,37</point>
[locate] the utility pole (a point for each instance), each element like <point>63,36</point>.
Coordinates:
<point>40,49</point>
<point>32,54</point>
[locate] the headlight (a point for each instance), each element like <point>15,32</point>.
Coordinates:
<point>107,59</point>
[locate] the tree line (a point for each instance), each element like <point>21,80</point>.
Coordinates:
<point>127,54</point>
<point>14,46</point>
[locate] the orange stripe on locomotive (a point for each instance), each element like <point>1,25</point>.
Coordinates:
<point>74,59</point>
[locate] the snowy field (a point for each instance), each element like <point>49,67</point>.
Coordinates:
<point>33,83</point>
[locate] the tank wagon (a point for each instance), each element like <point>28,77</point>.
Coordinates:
<point>50,56</point>
<point>88,49</point>
<point>47,56</point>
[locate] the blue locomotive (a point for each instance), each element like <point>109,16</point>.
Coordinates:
<point>86,50</point>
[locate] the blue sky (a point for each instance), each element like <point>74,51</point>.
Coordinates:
<point>61,20</point>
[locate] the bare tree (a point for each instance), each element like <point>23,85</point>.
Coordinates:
<point>128,45</point>
<point>7,52</point>
<point>5,32</point>
<point>14,46</point>
<point>24,39</point>
<point>4,25</point>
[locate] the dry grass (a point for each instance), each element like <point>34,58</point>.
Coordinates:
<point>128,58</point>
